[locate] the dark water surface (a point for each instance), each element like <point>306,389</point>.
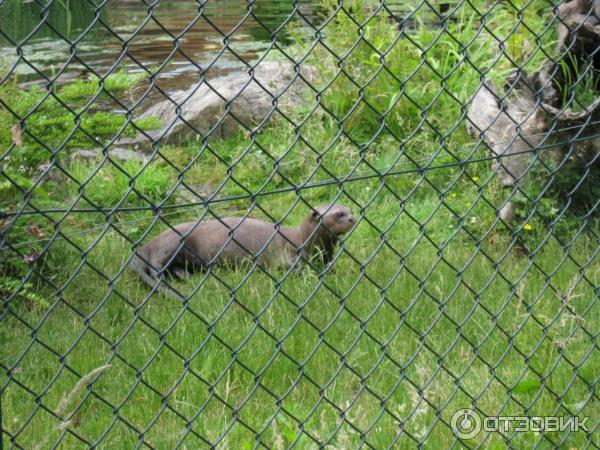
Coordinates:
<point>78,37</point>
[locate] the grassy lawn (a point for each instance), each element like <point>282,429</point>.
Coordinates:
<point>406,330</point>
<point>432,305</point>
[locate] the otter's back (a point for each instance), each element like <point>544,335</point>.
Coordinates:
<point>232,239</point>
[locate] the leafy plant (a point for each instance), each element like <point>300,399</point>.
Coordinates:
<point>25,291</point>
<point>578,84</point>
<point>51,122</point>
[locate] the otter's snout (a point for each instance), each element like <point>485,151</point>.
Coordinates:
<point>337,219</point>
<point>347,220</point>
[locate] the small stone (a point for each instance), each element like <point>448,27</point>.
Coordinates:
<point>48,172</point>
<point>194,193</point>
<point>125,155</point>
<point>86,154</point>
<point>120,153</point>
<point>508,213</point>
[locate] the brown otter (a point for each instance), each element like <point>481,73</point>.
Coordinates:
<point>231,240</point>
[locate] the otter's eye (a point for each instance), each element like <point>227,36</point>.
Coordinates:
<point>340,214</point>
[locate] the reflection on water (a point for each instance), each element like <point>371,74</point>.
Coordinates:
<point>185,36</point>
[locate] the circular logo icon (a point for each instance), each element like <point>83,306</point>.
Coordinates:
<point>465,424</point>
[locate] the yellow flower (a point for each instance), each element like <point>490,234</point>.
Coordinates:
<point>453,195</point>
<point>475,178</point>
<point>528,227</point>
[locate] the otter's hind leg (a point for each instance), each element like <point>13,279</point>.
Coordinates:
<point>180,273</point>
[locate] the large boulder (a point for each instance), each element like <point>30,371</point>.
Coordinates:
<point>219,107</point>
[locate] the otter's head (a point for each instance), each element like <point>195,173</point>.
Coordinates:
<point>337,219</point>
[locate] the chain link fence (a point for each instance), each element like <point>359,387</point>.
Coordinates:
<point>426,272</point>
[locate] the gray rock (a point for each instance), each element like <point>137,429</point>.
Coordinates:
<point>220,106</point>
<point>508,212</point>
<point>195,192</point>
<point>126,155</point>
<point>120,153</point>
<point>86,154</point>
<point>49,172</point>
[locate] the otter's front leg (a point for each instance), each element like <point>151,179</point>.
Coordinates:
<point>328,251</point>
<point>293,262</point>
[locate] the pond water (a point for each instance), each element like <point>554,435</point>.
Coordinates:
<point>77,37</point>
<point>73,37</point>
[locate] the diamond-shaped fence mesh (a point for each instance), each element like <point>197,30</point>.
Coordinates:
<point>283,224</point>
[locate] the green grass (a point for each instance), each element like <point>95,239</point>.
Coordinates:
<point>380,326</point>
<point>431,303</point>
<point>67,117</point>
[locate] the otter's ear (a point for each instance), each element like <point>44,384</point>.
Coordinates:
<point>315,214</point>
